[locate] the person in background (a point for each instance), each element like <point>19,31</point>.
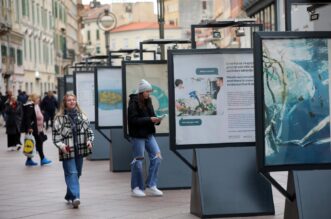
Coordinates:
<point>14,113</point>
<point>22,97</point>
<point>55,95</point>
<point>49,105</point>
<point>73,137</point>
<point>142,121</point>
<point>33,122</point>
<point>2,107</point>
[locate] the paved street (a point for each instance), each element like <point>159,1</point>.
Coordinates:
<point>37,192</point>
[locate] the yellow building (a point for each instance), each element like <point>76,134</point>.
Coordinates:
<point>129,36</point>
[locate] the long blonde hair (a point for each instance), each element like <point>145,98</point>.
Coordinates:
<point>63,104</point>
<point>34,97</point>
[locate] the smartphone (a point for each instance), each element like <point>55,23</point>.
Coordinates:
<point>162,116</point>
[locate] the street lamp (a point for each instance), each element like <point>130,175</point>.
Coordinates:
<point>107,22</point>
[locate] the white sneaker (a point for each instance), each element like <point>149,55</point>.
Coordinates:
<point>153,191</point>
<point>136,192</point>
<point>76,203</point>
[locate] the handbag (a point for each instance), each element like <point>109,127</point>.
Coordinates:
<point>29,145</point>
<point>42,136</point>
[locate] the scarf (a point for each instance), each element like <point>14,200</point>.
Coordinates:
<point>73,117</point>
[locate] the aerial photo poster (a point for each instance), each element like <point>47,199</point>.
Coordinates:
<point>214,98</point>
<point>110,106</point>
<point>296,76</point>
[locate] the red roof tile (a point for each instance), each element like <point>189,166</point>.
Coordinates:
<point>141,26</point>
<point>93,13</point>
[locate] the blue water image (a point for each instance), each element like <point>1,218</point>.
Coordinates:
<point>301,134</point>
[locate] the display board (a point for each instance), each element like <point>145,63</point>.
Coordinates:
<point>212,98</point>
<point>108,95</point>
<point>69,84</point>
<point>292,74</point>
<point>155,72</point>
<point>307,15</point>
<point>84,90</point>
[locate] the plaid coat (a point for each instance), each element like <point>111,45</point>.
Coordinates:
<point>62,136</point>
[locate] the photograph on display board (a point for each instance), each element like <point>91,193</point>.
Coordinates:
<point>296,101</point>
<point>157,76</point>
<point>84,86</point>
<point>214,97</point>
<point>109,91</point>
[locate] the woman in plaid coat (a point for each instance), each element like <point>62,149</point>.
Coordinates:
<point>73,137</point>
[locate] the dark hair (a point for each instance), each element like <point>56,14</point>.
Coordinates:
<point>142,102</point>
<point>178,82</point>
<point>220,78</point>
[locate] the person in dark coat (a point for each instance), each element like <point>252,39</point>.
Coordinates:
<point>3,100</point>
<point>33,122</point>
<point>22,97</point>
<point>49,105</point>
<point>14,114</point>
<point>142,121</point>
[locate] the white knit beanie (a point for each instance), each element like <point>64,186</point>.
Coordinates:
<point>144,86</point>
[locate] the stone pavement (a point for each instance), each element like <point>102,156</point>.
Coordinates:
<point>37,192</point>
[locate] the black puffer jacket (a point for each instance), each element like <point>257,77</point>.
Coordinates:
<point>139,120</point>
<point>29,118</point>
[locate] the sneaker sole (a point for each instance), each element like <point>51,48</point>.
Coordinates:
<point>153,194</point>
<point>138,196</point>
<point>76,203</point>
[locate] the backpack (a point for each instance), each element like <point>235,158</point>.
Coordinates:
<point>29,145</point>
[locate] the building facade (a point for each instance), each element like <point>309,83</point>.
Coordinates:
<point>40,41</point>
<point>127,13</point>
<point>11,37</point>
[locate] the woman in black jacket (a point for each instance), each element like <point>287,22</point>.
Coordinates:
<point>142,121</point>
<point>34,123</point>
<point>13,110</point>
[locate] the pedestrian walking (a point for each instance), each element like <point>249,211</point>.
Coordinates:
<point>142,121</point>
<point>14,113</point>
<point>33,122</point>
<point>3,100</point>
<point>49,105</point>
<point>74,138</point>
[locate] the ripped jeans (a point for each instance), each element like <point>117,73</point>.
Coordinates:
<point>153,150</point>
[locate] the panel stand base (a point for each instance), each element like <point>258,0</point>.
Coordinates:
<point>312,189</point>
<point>100,150</point>
<point>227,184</point>
<point>120,151</point>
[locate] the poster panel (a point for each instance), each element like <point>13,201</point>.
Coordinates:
<point>84,86</point>
<point>69,83</point>
<point>213,97</point>
<point>294,73</point>
<point>109,97</point>
<point>155,73</point>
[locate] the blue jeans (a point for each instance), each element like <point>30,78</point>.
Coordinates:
<point>72,171</point>
<point>153,150</point>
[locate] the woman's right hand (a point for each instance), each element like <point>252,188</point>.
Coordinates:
<point>155,120</point>
<point>65,149</point>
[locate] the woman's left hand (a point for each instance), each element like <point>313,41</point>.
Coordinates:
<point>89,145</point>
